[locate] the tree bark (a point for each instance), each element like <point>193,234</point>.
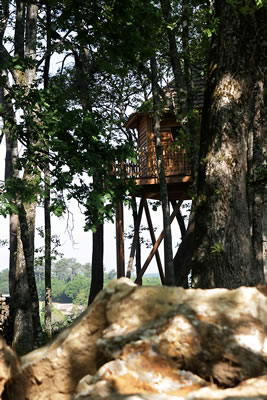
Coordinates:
<point>223,250</point>
<point>27,231</point>
<point>21,308</point>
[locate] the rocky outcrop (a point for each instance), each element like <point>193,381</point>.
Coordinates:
<point>4,314</point>
<point>154,342</point>
<point>9,365</point>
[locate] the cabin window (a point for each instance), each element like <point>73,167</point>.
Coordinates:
<point>175,132</point>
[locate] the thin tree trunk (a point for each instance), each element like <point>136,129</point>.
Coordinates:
<point>173,49</point>
<point>47,216</point>
<point>10,172</point>
<point>256,177</point>
<point>168,254</point>
<point>48,286</point>
<point>192,125</point>
<point>97,278</point>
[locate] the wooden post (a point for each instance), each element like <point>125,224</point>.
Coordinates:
<point>156,245</point>
<point>120,241</point>
<point>153,239</point>
<point>135,239</point>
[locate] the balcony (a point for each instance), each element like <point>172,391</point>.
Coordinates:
<point>175,164</point>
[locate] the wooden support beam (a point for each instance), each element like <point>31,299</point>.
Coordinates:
<point>153,239</point>
<point>156,245</point>
<point>120,241</point>
<point>135,238</point>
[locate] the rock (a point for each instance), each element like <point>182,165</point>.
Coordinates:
<point>139,370</point>
<point>217,334</point>
<point>9,364</point>
<point>151,341</point>
<point>251,389</point>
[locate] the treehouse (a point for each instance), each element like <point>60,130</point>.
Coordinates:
<point>176,165</point>
<point>177,174</point>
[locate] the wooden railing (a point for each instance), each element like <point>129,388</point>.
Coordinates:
<point>175,163</point>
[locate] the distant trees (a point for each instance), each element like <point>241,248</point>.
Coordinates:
<point>70,281</point>
<point>4,281</point>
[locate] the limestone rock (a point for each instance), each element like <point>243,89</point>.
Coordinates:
<point>251,389</point>
<point>219,334</point>
<point>151,341</point>
<point>139,370</point>
<point>9,364</point>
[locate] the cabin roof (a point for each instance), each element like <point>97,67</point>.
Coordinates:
<point>199,86</point>
<point>132,122</point>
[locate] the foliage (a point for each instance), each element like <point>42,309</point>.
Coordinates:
<point>151,281</point>
<point>4,282</point>
<point>74,288</point>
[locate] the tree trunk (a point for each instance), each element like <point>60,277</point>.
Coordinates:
<point>256,176</point>
<point>47,216</point>
<point>168,254</point>
<point>97,279</point>
<point>21,307</point>
<point>173,49</point>
<point>27,230</point>
<point>223,250</point>
<point>48,286</point>
<point>183,256</point>
<point>10,172</point>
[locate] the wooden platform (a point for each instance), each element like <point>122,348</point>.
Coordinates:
<point>178,187</point>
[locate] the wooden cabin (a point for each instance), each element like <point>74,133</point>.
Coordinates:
<point>177,170</point>
<point>177,173</point>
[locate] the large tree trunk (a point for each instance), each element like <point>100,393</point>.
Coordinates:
<point>223,251</point>
<point>26,212</point>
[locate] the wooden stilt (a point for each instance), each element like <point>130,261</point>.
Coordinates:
<point>153,239</point>
<point>135,239</point>
<point>120,241</point>
<point>156,245</point>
